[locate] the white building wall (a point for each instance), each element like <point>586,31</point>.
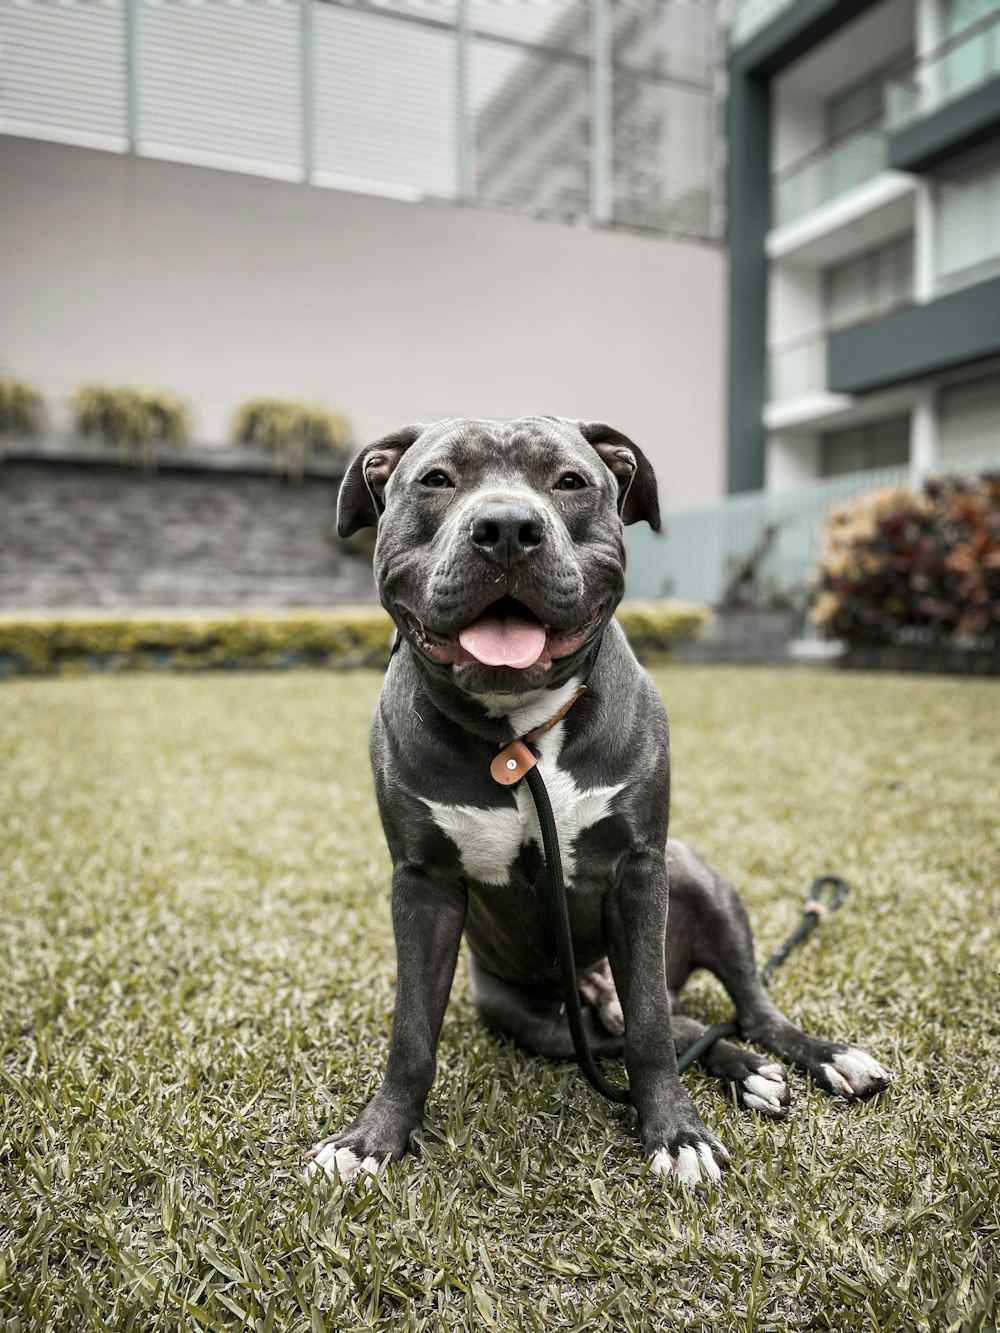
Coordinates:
<point>797,123</point>
<point>792,460</point>
<point>220,286</point>
<point>795,302</point>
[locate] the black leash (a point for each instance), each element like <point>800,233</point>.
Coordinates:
<point>813,912</point>
<point>516,761</point>
<point>564,940</point>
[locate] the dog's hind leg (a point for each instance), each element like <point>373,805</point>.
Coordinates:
<point>536,1020</point>
<point>535,1017</point>
<point>709,928</point>
<point>756,1082</point>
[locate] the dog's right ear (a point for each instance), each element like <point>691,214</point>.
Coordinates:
<point>360,502</point>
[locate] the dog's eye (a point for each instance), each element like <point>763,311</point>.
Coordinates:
<point>437,480</point>
<point>570,481</point>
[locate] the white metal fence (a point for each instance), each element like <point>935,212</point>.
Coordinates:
<point>696,555</point>
<point>605,109</point>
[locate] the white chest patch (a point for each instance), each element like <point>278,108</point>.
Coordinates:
<point>488,841</point>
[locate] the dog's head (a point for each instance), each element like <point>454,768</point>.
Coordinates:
<point>499,553</point>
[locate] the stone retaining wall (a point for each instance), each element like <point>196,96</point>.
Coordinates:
<point>213,528</point>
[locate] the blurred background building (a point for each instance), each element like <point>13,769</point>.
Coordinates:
<point>404,210</point>
<point>874,284</point>
<point>864,275</point>
<point>408,209</point>
<point>381,288</point>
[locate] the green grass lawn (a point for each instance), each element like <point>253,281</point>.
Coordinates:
<point>196,980</point>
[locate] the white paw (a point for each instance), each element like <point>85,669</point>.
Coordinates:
<point>692,1166</point>
<point>767,1090</point>
<point>339,1163</point>
<point>853,1073</point>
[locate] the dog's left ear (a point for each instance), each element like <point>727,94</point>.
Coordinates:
<point>360,503</point>
<point>637,495</point>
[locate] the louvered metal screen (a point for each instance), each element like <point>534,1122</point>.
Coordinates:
<point>62,73</point>
<point>385,96</point>
<point>531,100</point>
<point>220,84</point>
<point>665,164</point>
<point>606,109</point>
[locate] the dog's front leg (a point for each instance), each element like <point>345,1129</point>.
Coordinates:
<point>635,921</point>
<point>428,917</point>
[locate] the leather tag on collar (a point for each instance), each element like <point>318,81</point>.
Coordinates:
<point>512,763</point>
<point>515,759</point>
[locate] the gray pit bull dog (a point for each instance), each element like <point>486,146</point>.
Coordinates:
<point>500,558</point>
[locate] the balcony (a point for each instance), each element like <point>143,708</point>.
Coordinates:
<point>797,393</point>
<point>956,329</point>
<point>948,101</point>
<point>799,383</point>
<point>796,368</point>
<point>962,65</point>
<point>753,15</point>
<point>832,170</point>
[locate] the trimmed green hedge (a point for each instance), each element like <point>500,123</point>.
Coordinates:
<point>653,626</point>
<point>263,640</point>
<point>259,640</point>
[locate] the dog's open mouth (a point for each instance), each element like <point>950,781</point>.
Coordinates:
<point>507,634</point>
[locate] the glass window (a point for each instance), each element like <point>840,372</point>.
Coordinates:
<point>970,59</point>
<point>869,285</point>
<point>969,416</point>
<point>958,14</point>
<point>876,444</point>
<point>853,107</point>
<point>863,100</point>
<point>968,209</point>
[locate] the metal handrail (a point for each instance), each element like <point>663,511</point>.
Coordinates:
<point>956,40</point>
<point>833,169</point>
<point>910,82</point>
<point>827,146</point>
<point>797,340</point>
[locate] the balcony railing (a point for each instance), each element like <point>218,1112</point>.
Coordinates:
<point>751,16</point>
<point>963,64</point>
<point>797,368</point>
<point>833,169</point>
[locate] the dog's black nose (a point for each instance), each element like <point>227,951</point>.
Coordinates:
<point>507,532</point>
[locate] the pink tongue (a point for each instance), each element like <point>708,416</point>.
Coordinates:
<point>511,642</point>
